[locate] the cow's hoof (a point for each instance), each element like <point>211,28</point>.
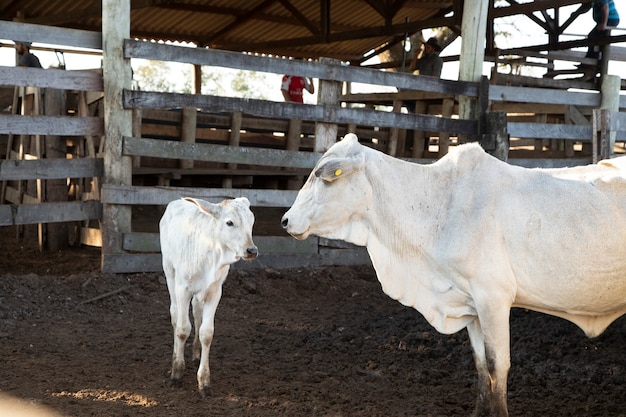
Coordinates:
<point>206,391</point>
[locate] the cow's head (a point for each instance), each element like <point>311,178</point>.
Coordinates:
<point>331,202</point>
<point>233,225</point>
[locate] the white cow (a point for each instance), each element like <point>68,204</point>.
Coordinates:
<point>465,239</point>
<point>199,241</point>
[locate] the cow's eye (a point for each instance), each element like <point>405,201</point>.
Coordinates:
<point>230,223</point>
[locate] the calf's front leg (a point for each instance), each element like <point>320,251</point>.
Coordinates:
<point>210,301</point>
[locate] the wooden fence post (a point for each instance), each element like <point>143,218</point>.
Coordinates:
<point>188,132</point>
<point>328,96</point>
<point>610,90</point>
<point>233,140</point>
<point>117,75</point>
<point>495,139</point>
<point>601,141</point>
<point>56,190</point>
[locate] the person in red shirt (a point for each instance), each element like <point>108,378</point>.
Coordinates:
<point>293,86</point>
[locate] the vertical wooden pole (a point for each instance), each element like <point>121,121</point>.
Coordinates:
<point>137,115</point>
<point>392,143</point>
<point>56,190</point>
<point>473,27</point>
<point>447,108</point>
<point>197,79</point>
<point>188,133</point>
<point>116,219</point>
<point>497,133</point>
<point>293,135</point>
<point>233,140</point>
<point>610,90</point>
<point>420,148</point>
<point>329,92</point>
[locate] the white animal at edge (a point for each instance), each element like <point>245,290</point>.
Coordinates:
<point>465,239</point>
<point>199,242</point>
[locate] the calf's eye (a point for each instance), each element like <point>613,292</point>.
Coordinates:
<point>230,223</point>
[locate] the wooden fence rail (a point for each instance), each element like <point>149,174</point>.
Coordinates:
<point>140,250</point>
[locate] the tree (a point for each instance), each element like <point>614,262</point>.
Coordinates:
<point>445,36</point>
<point>153,75</point>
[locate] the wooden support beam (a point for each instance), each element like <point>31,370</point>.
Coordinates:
<point>116,219</point>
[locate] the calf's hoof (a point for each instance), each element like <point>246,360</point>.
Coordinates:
<point>175,382</point>
<point>205,391</point>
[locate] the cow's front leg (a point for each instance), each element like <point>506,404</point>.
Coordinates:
<point>211,300</point>
<point>490,342</point>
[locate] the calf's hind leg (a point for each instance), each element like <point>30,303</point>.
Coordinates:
<point>197,307</point>
<point>179,310</point>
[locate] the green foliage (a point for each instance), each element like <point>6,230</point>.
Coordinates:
<point>247,84</point>
<point>149,75</point>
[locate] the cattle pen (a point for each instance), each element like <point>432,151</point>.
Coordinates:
<point>122,149</point>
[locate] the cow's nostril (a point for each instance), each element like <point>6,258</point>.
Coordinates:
<point>284,222</point>
<point>252,251</point>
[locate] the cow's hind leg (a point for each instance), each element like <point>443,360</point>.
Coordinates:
<point>179,311</point>
<point>211,300</point>
<point>492,358</point>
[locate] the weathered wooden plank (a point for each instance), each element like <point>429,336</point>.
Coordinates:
<point>51,125</point>
<point>219,153</point>
<point>178,172</point>
<point>129,195</point>
<point>550,131</point>
<point>151,262</point>
<point>83,80</point>
<point>114,263</point>
<point>617,121</point>
<point>215,57</point>
<point>346,257</point>
<point>549,162</point>
<point>527,81</point>
<point>389,98</point>
<point>317,113</point>
<point>45,169</point>
<point>50,212</point>
<point>543,95</point>
<point>52,35</point>
<point>149,242</point>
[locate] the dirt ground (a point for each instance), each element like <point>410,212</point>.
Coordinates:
<point>297,342</point>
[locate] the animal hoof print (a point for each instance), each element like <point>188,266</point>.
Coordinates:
<point>206,392</point>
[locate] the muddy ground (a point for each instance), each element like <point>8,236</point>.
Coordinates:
<point>297,342</point>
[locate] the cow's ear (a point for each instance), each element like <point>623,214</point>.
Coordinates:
<point>244,201</point>
<point>204,206</point>
<point>336,168</point>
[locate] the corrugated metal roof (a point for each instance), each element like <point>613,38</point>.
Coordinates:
<point>344,29</point>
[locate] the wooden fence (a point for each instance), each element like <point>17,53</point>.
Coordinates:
<point>138,250</point>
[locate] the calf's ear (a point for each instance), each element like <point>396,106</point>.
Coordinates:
<point>204,206</point>
<point>336,168</point>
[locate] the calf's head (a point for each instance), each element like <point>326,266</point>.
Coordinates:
<point>233,222</point>
<point>331,202</point>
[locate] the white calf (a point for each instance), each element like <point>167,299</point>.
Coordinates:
<point>199,241</point>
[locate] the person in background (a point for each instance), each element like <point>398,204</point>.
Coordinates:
<point>26,59</point>
<point>293,86</point>
<point>605,15</point>
<point>428,62</point>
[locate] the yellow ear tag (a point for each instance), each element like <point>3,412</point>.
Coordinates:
<point>338,172</point>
